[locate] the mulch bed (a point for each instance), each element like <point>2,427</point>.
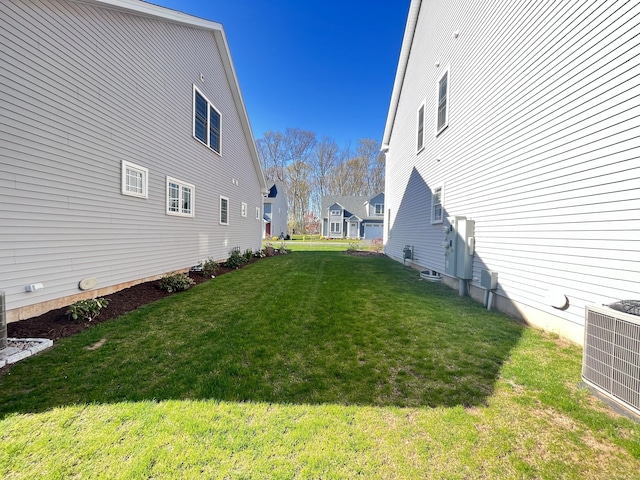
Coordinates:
<point>55,324</point>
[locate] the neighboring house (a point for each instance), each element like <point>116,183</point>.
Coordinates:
<point>523,118</point>
<point>275,212</point>
<point>353,217</point>
<point>125,149</point>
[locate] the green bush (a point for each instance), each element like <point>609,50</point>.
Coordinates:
<point>87,309</point>
<point>354,246</point>
<point>210,267</point>
<point>235,260</point>
<point>248,254</point>
<point>176,282</point>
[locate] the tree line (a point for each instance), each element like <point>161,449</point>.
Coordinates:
<point>311,168</point>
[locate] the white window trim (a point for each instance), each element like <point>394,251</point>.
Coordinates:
<point>145,179</point>
<point>193,120</point>
<point>339,224</point>
<point>420,139</point>
<point>220,210</point>
<point>375,209</point>
<point>243,209</point>
<point>446,72</point>
<point>182,184</point>
<point>433,219</point>
<point>336,213</point>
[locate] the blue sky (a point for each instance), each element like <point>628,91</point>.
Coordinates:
<point>322,65</point>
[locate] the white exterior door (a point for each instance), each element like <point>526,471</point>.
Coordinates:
<point>353,229</point>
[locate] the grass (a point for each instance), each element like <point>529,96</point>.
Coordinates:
<point>342,367</point>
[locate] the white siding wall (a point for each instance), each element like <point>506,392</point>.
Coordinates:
<point>542,148</point>
<point>81,89</point>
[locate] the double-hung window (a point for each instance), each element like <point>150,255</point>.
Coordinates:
<point>437,203</point>
<point>206,121</point>
<point>224,210</point>
<point>335,227</point>
<point>379,209</point>
<point>443,102</point>
<point>420,131</point>
<point>135,180</point>
<point>180,198</point>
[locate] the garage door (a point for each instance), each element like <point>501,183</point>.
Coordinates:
<point>372,230</point>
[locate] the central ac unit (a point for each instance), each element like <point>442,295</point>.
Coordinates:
<point>3,322</point>
<point>611,359</point>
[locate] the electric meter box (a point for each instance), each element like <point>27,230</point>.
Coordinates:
<point>459,247</point>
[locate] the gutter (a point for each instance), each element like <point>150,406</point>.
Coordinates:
<point>405,51</point>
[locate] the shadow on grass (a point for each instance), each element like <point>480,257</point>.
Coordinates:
<point>306,328</point>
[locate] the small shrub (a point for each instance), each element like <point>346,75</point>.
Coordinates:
<point>282,249</point>
<point>376,245</point>
<point>210,267</point>
<point>248,254</point>
<point>176,282</point>
<point>275,239</point>
<point>354,246</point>
<point>87,309</point>
<point>268,250</point>
<point>235,260</point>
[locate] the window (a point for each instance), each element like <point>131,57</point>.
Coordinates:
<point>335,227</point>
<point>206,121</point>
<point>135,180</point>
<point>180,198</point>
<point>243,210</point>
<point>224,210</point>
<point>443,102</point>
<point>336,213</point>
<point>437,202</point>
<point>420,132</point>
<point>257,213</point>
<point>379,209</point>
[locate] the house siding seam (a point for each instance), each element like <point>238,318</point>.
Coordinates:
<point>84,87</point>
<point>541,149</point>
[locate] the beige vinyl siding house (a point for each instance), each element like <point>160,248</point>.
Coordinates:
<point>105,172</point>
<point>531,129</point>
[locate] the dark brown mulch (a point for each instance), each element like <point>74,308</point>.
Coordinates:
<point>365,253</point>
<point>55,324</point>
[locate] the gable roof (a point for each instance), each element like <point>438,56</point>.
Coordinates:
<point>352,204</point>
<point>405,51</point>
<point>142,8</point>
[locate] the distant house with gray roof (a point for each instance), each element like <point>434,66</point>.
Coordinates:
<point>353,216</point>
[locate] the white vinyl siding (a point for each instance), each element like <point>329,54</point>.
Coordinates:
<point>84,87</point>
<point>544,155</point>
<point>135,180</point>
<point>180,198</point>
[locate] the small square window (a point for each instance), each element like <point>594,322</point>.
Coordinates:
<point>443,102</point>
<point>135,180</point>
<point>437,204</point>
<point>243,211</point>
<point>180,198</point>
<point>224,211</point>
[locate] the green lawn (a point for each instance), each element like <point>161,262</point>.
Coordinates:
<point>310,365</point>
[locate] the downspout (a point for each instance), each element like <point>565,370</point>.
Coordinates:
<point>405,51</point>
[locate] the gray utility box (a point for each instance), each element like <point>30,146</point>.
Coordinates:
<point>459,247</point>
<point>489,279</point>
